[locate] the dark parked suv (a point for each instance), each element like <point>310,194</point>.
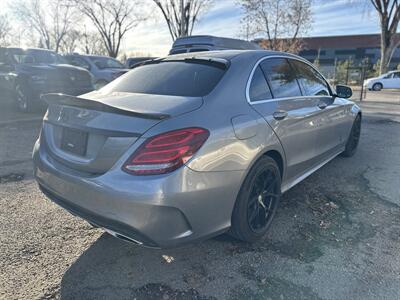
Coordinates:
<point>26,74</point>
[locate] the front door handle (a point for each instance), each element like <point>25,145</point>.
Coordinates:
<point>280,115</point>
<point>322,105</point>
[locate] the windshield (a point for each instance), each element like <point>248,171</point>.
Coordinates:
<point>21,56</point>
<point>175,78</point>
<point>106,63</point>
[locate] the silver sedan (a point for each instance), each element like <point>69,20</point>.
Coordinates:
<point>188,147</point>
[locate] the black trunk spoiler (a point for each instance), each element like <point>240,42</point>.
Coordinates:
<point>63,99</point>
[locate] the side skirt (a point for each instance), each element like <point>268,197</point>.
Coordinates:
<point>291,184</point>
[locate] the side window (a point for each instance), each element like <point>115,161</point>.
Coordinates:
<point>396,75</point>
<point>77,61</point>
<point>388,76</point>
<point>259,89</point>
<point>281,78</point>
<point>312,82</point>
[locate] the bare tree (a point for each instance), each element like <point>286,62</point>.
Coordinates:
<point>92,43</point>
<point>281,22</point>
<point>389,16</point>
<point>4,30</point>
<point>51,19</point>
<point>182,15</point>
<point>113,19</point>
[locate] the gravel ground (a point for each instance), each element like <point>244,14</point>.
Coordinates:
<point>335,236</point>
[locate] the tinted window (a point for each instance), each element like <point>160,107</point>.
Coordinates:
<point>396,75</point>
<point>311,81</point>
<point>198,50</point>
<point>281,78</point>
<point>259,89</point>
<point>169,78</point>
<point>106,62</point>
<point>179,51</point>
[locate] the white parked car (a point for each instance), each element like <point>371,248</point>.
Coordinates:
<point>390,80</point>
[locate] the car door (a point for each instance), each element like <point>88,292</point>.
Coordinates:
<point>275,93</point>
<point>396,80</point>
<point>387,81</point>
<point>332,122</point>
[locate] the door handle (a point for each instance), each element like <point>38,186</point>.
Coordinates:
<point>322,105</point>
<point>280,115</point>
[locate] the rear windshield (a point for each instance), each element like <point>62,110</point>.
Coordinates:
<point>169,78</point>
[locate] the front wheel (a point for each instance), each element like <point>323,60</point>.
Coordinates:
<point>377,87</point>
<point>257,201</point>
<point>354,138</point>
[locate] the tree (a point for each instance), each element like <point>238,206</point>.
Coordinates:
<point>182,15</point>
<point>4,30</point>
<point>112,19</point>
<point>92,43</point>
<point>281,22</point>
<point>389,16</point>
<point>50,19</point>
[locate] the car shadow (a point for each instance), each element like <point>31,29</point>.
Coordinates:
<point>301,232</point>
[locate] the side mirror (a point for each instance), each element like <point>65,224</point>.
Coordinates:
<point>343,91</point>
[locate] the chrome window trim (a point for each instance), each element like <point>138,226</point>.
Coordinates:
<point>282,98</point>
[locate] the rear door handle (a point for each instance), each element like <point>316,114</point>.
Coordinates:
<point>280,115</point>
<point>322,105</point>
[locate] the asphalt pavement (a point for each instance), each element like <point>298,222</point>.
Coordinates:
<point>336,235</point>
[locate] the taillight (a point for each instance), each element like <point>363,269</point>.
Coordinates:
<point>166,152</point>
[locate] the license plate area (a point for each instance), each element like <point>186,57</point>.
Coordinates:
<point>74,141</point>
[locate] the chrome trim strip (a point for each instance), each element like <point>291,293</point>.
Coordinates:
<point>309,172</point>
<point>284,98</point>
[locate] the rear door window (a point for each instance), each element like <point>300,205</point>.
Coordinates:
<point>175,78</point>
<point>281,78</point>
<point>312,82</point>
<point>259,89</point>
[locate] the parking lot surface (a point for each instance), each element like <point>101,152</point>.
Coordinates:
<point>336,236</point>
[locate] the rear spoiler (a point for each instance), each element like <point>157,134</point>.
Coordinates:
<point>63,99</point>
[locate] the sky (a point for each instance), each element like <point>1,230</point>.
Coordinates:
<point>330,17</point>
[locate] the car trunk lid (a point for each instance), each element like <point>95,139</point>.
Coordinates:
<point>91,132</point>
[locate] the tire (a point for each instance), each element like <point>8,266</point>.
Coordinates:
<point>257,201</point>
<point>22,99</point>
<point>353,139</point>
<point>99,84</point>
<point>377,87</point>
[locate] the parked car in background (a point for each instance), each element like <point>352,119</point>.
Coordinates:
<point>103,68</point>
<point>188,147</point>
<point>199,43</point>
<point>132,61</point>
<point>390,80</point>
<point>26,74</point>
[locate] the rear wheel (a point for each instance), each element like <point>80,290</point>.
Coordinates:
<point>22,98</point>
<point>257,201</point>
<point>354,137</point>
<point>377,87</point>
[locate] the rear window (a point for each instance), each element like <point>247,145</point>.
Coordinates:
<point>169,78</point>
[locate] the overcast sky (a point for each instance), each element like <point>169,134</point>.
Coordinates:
<point>331,17</point>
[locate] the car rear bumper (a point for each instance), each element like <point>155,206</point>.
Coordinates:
<point>156,211</point>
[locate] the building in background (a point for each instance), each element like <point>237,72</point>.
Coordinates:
<point>331,51</point>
